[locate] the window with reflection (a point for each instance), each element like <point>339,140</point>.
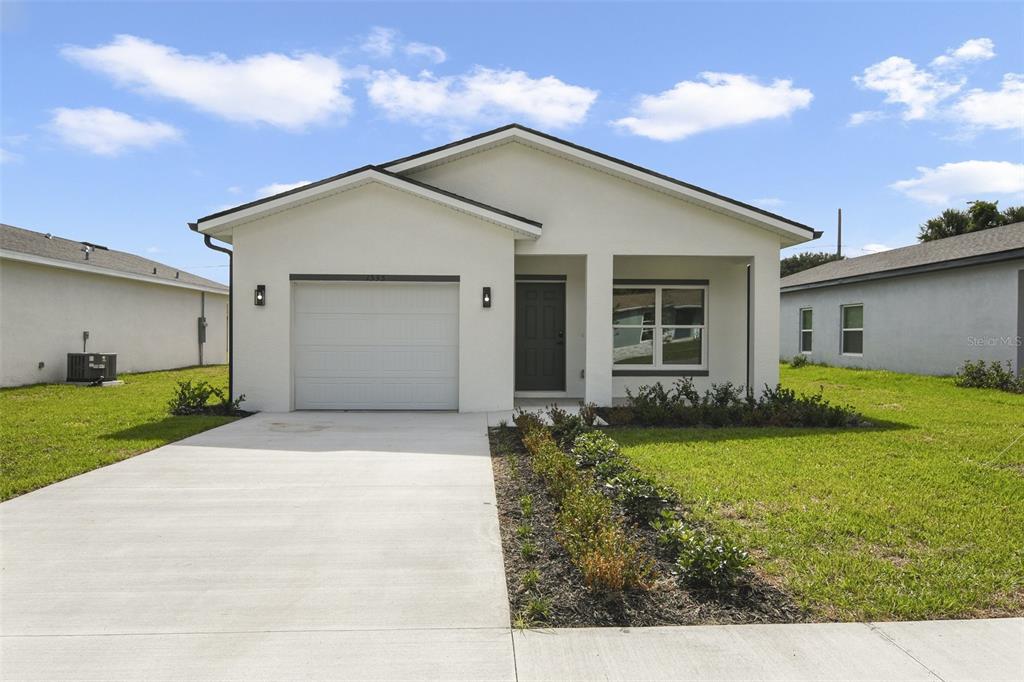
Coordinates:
<point>659,326</point>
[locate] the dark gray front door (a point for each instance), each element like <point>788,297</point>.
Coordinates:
<point>540,336</point>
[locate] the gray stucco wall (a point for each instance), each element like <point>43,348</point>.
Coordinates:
<point>921,324</point>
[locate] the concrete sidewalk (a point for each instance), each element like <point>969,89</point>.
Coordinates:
<point>929,650</point>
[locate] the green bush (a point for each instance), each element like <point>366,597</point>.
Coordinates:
<point>195,398</point>
<point>989,375</point>
<point>727,405</point>
<point>641,496</point>
<point>565,427</point>
<point>798,360</point>
<point>592,448</point>
<point>707,560</point>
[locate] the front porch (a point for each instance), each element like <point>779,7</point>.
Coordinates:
<point>589,327</point>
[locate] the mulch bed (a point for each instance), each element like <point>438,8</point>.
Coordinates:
<point>573,604</point>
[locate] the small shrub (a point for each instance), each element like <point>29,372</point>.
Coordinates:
<point>528,549</point>
<point>798,360</point>
<point>612,562</point>
<point>524,530</point>
<point>592,448</point>
<point>612,467</point>
<point>527,421</point>
<point>989,375</point>
<point>526,506</point>
<point>640,496</point>
<point>195,398</point>
<point>707,560</point>
<point>530,579</point>
<point>588,413</point>
<point>565,427</point>
<point>619,415</point>
<point>669,529</point>
<point>651,405</point>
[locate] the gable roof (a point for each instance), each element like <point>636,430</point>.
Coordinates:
<point>220,224</point>
<point>795,232</point>
<point>986,246</point>
<point>17,243</point>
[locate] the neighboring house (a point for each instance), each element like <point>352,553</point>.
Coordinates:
<point>53,289</point>
<point>923,309</point>
<point>508,264</point>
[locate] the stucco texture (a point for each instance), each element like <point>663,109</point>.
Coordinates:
<point>45,309</point>
<point>928,323</point>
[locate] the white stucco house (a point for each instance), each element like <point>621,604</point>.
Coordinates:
<point>921,309</point>
<point>508,264</point>
<point>53,290</point>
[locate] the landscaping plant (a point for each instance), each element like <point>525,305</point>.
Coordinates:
<point>989,375</point>
<point>195,398</point>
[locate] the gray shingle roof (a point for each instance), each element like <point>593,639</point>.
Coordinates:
<point>930,255</point>
<point>39,244</point>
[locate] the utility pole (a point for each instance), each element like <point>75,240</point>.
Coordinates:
<point>839,236</point>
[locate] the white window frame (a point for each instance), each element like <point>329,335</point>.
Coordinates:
<point>800,333</point>
<point>657,333</point>
<point>843,329</point>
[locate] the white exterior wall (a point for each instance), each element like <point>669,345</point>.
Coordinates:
<point>928,323</point>
<point>592,213</point>
<point>45,309</point>
<point>369,230</point>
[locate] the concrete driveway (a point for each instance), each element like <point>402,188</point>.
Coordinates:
<point>358,545</point>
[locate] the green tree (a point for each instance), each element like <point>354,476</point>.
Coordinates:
<point>805,261</point>
<point>980,215</point>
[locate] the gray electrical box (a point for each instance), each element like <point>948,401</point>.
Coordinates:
<point>202,330</point>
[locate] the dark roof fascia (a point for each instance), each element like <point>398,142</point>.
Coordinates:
<point>279,195</point>
<point>382,171</point>
<point>969,261</point>
<point>647,171</point>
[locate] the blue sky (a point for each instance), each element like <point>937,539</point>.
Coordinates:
<point>122,121</point>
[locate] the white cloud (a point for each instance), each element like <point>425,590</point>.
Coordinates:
<point>278,187</point>
<point>154,249</point>
<point>480,95</point>
<point>721,100</point>
<point>431,52</point>
<point>974,50</point>
<point>769,202</point>
<point>380,42</point>
<point>944,183</point>
<point>1002,109</point>
<point>234,189</point>
<point>108,132</point>
<point>902,82</point>
<point>288,92</point>
<point>8,156</point>
<point>861,117</point>
<point>875,248</point>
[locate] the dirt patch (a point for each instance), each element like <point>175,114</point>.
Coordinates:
<point>559,589</point>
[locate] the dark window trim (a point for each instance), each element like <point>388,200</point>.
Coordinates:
<point>660,373</point>
<point>541,278</point>
<point>664,282</point>
<point>373,278</point>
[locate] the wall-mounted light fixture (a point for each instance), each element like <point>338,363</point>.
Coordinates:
<point>487,297</point>
<point>260,297</point>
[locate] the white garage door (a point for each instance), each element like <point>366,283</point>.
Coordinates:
<point>376,346</point>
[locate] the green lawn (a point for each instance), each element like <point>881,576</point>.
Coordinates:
<point>921,516</point>
<point>49,432</point>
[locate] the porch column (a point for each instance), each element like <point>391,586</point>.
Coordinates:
<point>598,380</point>
<point>764,354</point>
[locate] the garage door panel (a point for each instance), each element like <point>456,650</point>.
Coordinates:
<point>375,346</point>
<point>372,361</point>
<point>375,394</point>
